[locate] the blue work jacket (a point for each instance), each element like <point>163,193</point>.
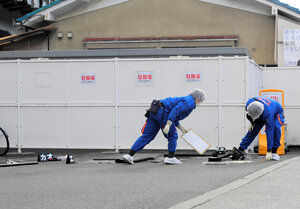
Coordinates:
<point>178,108</point>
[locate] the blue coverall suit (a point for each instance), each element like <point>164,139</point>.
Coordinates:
<point>272,117</point>
<point>174,109</point>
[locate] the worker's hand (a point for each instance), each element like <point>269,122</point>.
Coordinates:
<point>269,156</point>
<point>251,128</point>
<point>167,127</point>
<point>182,129</point>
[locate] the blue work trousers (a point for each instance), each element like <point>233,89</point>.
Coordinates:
<point>150,130</point>
<point>274,143</point>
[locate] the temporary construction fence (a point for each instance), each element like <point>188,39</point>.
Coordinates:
<point>100,103</point>
<point>287,79</point>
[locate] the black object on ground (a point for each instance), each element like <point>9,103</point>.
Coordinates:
<point>45,157</point>
<point>4,142</point>
<point>70,159</point>
<point>218,159</point>
<point>219,151</point>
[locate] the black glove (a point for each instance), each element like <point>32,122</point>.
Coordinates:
<point>259,121</point>
<point>238,154</point>
<point>249,118</point>
<point>147,114</point>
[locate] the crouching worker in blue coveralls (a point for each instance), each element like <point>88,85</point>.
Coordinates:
<point>263,111</point>
<point>165,115</point>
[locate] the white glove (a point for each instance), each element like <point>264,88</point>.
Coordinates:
<point>251,128</point>
<point>182,129</point>
<point>269,156</point>
<point>167,127</point>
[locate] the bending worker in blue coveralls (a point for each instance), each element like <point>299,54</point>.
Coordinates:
<point>166,114</point>
<point>263,111</point>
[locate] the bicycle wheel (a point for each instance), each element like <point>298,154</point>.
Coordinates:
<point>4,143</point>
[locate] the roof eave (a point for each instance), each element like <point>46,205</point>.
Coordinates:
<point>276,8</point>
<point>49,14</point>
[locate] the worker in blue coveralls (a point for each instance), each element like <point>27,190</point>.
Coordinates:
<point>165,114</point>
<point>262,111</point>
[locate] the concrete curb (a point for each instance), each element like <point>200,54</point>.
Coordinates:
<point>197,201</point>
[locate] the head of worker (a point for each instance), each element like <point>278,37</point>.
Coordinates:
<point>198,95</point>
<point>255,110</point>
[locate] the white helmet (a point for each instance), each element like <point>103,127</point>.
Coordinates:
<point>198,95</point>
<point>255,109</point>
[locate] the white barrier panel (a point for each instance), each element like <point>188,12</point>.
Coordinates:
<point>101,103</point>
<point>286,79</point>
<point>9,99</point>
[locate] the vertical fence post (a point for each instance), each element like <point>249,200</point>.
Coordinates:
<point>19,103</point>
<point>248,86</point>
<point>66,104</point>
<point>116,106</point>
<point>220,99</point>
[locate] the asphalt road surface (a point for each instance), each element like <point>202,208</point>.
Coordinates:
<point>94,184</point>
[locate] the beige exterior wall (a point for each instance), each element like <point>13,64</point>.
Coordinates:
<point>39,42</point>
<point>256,33</point>
<point>170,18</point>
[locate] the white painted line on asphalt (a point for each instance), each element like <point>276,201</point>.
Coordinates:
<point>196,201</point>
<point>227,162</point>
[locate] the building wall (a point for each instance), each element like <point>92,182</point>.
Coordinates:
<point>169,18</point>
<point>256,33</point>
<point>33,43</point>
